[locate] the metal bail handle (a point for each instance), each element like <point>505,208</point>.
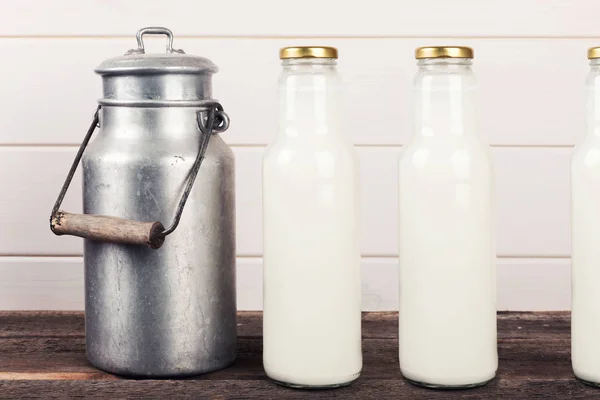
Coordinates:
<point>211,119</point>
<point>153,31</point>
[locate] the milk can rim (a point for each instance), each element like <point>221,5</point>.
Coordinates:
<point>155,64</point>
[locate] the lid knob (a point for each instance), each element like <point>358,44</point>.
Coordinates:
<point>154,31</point>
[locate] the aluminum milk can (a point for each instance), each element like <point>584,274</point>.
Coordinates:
<point>159,302</point>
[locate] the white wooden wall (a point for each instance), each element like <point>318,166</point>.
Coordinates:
<point>530,61</point>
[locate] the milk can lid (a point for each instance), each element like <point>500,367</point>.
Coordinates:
<point>136,61</point>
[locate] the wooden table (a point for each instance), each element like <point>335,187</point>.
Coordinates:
<point>42,355</point>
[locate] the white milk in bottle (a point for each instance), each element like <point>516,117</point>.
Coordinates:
<point>312,292</point>
<point>447,307</point>
<point>585,241</point>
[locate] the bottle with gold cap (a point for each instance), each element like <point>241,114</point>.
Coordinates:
<point>312,292</point>
<point>585,233</point>
<point>447,310</point>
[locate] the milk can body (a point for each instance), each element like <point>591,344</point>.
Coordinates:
<point>170,311</point>
<point>312,309</point>
<point>585,226</point>
<point>447,314</point>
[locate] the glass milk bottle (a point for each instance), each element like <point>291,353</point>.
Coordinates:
<point>312,292</point>
<point>447,311</point>
<point>585,240</point>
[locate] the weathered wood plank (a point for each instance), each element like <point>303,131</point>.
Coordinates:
<point>66,356</point>
<point>41,323</point>
<point>514,325</point>
<point>519,359</point>
<point>375,325</point>
<point>234,389</point>
<point>71,324</point>
<point>42,355</point>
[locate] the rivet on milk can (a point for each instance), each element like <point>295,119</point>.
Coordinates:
<point>159,302</point>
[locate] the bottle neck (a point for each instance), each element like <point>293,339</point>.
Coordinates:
<point>309,97</point>
<point>445,97</point>
<point>593,98</point>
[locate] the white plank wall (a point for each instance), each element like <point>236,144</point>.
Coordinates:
<point>55,283</point>
<point>308,18</point>
<point>531,90</point>
<point>530,63</point>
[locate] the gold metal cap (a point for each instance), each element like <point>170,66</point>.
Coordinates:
<point>443,51</point>
<point>593,52</point>
<point>308,52</point>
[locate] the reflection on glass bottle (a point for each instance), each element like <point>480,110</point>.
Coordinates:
<point>446,231</point>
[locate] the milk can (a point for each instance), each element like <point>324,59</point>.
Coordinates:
<point>160,299</point>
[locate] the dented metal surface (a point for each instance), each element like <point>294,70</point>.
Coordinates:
<point>171,311</point>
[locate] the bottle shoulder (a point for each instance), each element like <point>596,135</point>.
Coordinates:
<point>298,153</point>
<point>586,155</point>
<point>323,143</point>
<point>460,153</point>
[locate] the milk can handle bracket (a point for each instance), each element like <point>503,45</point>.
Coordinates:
<point>153,31</point>
<point>209,123</point>
<point>211,119</point>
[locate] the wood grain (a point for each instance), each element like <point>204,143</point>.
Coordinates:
<point>108,229</point>
<point>380,359</point>
<point>235,389</point>
<point>379,325</point>
<point>42,355</point>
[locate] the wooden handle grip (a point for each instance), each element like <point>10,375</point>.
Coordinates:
<point>108,229</point>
